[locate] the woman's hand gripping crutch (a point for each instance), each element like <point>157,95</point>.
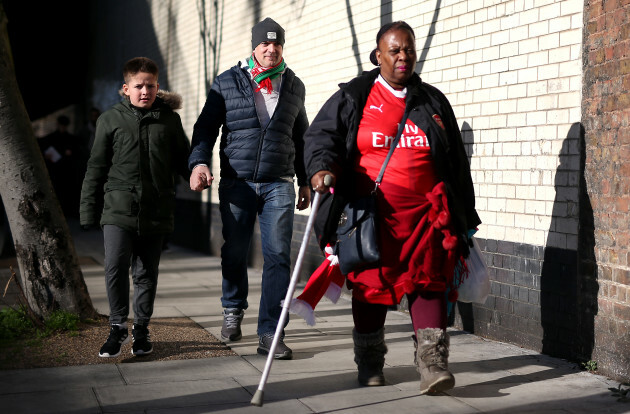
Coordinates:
<point>257,399</point>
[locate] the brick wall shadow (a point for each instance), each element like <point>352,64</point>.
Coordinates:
<point>464,317</point>
<point>568,286</point>
<point>588,285</point>
<point>427,42</point>
<point>355,41</point>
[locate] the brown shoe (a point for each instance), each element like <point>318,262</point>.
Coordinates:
<point>431,358</point>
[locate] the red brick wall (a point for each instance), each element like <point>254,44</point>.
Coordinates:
<point>606,119</point>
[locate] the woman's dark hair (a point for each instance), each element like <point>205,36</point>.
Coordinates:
<point>386,28</point>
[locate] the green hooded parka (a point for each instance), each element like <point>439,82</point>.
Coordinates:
<point>133,165</point>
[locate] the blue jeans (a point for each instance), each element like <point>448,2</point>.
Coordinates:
<point>274,203</point>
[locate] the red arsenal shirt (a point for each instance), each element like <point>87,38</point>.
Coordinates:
<point>411,165</point>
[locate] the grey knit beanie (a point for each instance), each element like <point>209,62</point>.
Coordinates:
<point>267,31</point>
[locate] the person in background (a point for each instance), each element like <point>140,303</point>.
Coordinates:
<point>86,138</point>
<point>139,148</point>
<point>426,202</point>
<point>259,107</point>
<point>61,152</point>
<point>88,133</point>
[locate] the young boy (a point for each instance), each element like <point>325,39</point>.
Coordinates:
<point>139,147</point>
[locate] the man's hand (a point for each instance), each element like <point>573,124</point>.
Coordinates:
<point>304,197</point>
<point>322,181</point>
<point>200,178</point>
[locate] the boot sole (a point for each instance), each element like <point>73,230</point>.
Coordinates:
<point>141,352</point>
<point>373,382</point>
<point>285,355</point>
<point>439,386</point>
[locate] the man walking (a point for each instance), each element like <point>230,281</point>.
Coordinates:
<point>259,107</point>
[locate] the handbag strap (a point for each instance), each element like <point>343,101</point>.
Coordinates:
<point>391,150</point>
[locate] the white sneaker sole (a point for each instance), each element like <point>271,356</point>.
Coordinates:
<point>140,352</point>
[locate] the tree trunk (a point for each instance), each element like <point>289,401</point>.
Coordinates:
<point>49,270</point>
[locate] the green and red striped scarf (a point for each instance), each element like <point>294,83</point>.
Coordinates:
<point>262,76</point>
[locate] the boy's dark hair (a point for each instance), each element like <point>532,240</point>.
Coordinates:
<point>139,64</point>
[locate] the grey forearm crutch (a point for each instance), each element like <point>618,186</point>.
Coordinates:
<point>257,399</point>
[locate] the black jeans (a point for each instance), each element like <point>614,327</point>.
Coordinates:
<point>124,249</point>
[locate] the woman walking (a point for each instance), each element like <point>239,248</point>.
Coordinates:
<point>426,202</point>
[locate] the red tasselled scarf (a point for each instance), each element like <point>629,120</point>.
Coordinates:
<point>263,76</point>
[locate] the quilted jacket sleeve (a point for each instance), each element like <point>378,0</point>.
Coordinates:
<point>207,127</point>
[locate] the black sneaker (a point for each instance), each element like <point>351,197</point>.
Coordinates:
<point>117,338</point>
<point>282,351</point>
<point>231,329</point>
<point>141,340</point>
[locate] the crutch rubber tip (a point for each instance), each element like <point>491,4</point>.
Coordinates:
<point>257,400</point>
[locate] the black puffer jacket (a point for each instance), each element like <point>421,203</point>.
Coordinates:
<point>330,144</point>
<point>247,150</point>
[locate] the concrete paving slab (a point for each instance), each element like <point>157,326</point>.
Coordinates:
<point>70,401</point>
<point>300,385</point>
<point>341,321</point>
<point>248,345</point>
<point>61,378</point>
<point>185,370</point>
<point>487,352</point>
<point>160,311</point>
<point>480,375</point>
<point>304,363</point>
<point>206,312</point>
<point>191,294</point>
<point>92,270</point>
<point>574,394</point>
<point>403,377</point>
<point>173,283</point>
<point>379,400</point>
<point>310,342</point>
<point>271,407</point>
<point>172,394</point>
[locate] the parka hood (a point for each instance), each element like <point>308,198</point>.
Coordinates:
<point>171,99</point>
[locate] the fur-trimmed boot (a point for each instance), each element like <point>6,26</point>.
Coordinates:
<point>431,359</point>
<point>369,354</point>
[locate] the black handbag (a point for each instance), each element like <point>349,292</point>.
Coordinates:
<point>357,235</point>
<point>357,232</point>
